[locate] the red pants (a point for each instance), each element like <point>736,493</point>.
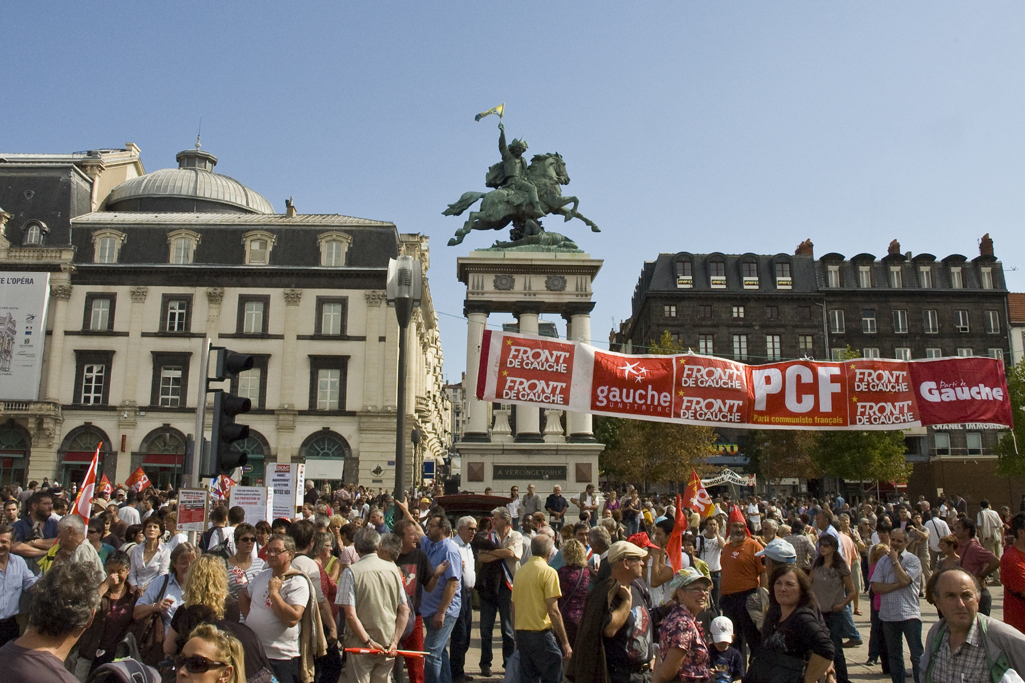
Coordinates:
<point>415,641</point>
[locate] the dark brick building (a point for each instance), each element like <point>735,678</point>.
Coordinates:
<point>763,308</point>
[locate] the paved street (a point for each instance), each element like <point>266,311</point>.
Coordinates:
<point>856,657</point>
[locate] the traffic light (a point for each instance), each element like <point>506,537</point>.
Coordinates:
<point>227,406</point>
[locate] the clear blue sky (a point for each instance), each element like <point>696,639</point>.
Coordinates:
<point>697,126</point>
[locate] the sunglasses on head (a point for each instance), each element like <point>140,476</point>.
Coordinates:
<point>197,664</point>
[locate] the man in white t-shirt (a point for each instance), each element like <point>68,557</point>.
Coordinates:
<point>937,530</point>
<point>274,606</point>
<point>514,507</point>
<point>302,533</point>
<point>754,514</point>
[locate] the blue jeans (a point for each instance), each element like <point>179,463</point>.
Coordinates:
<point>501,606</point>
<point>894,633</point>
<point>849,629</point>
<point>461,633</point>
<point>834,622</point>
<point>540,657</point>
<point>436,665</point>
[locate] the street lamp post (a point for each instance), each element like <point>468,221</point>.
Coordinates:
<point>404,288</point>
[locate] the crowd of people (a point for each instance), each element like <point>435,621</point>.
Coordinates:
<point>603,586</point>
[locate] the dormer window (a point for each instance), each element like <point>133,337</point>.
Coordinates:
<point>832,276</point>
<point>986,277</point>
<point>684,274</point>
<point>717,274</point>
<point>925,277</point>
<point>749,271</point>
<point>956,279</point>
<point>865,277</point>
<point>896,277</point>
<point>258,246</point>
<point>107,246</point>
<point>334,248</point>
<point>34,232</point>
<point>183,246</point>
<point>784,278</point>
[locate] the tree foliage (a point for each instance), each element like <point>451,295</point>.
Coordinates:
<point>1011,461</point>
<point>782,453</point>
<point>642,450</point>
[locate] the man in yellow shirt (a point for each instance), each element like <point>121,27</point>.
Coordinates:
<point>536,617</point>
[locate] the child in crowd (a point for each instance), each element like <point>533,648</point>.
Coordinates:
<point>725,659</point>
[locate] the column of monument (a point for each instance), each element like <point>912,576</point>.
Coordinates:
<point>528,418</point>
<point>476,411</point>
<point>578,425</point>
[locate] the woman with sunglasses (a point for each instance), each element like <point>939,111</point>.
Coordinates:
<point>211,656</point>
<point>244,564</point>
<point>833,586</point>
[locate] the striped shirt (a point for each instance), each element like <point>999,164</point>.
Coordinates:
<point>901,604</point>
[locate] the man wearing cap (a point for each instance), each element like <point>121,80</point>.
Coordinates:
<point>538,622</point>
<point>741,570</point>
<point>615,637</point>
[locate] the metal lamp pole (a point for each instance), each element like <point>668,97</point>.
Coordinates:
<point>404,288</point>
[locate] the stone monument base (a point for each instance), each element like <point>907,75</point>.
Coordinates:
<point>501,466</point>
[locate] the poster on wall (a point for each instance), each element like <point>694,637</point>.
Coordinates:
<point>23,300</point>
<point>252,499</point>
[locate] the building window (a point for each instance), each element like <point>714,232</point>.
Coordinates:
<point>925,277</point>
<point>705,312</point>
<point>740,347</point>
<point>896,277</point>
<point>176,313</point>
<point>931,321</point>
<point>772,312</point>
<point>900,322</point>
<point>99,312</point>
<point>34,234</point>
<point>183,246</point>
<point>717,274</point>
<point>706,344</point>
<point>805,344</point>
<point>902,353</point>
<point>964,352</point>
<point>993,322</point>
<point>956,281</point>
<point>836,355</point>
<point>870,353</point>
<point>258,245</point>
<point>832,276</point>
<point>974,442</point>
<point>331,316</point>
<point>934,353</point>
<point>996,353</point>
<point>738,312</point>
<point>865,277</point>
<point>942,441</point>
<point>669,311</point>
<point>170,379</point>
<point>684,269</point>
<point>868,321</point>
<point>804,312</point>
<point>772,346</point>
<point>836,325</point>
<point>334,248</point>
<point>92,377</point>
<point>327,382</point>
<point>783,270</point>
<point>961,320</point>
<point>749,269</point>
<point>252,314</point>
<point>252,383</point>
<point>986,276</point>
<point>107,246</point>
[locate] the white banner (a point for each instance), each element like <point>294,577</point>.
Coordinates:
<point>23,300</point>
<point>252,499</point>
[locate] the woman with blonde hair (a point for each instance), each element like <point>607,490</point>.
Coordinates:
<point>574,582</point>
<point>206,583</point>
<point>212,656</point>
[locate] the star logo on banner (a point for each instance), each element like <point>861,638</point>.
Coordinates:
<point>628,368</point>
<point>508,342</point>
<point>854,399</point>
<point>681,392</point>
<point>505,373</point>
<point>641,374</point>
<point>853,366</point>
<point>683,361</point>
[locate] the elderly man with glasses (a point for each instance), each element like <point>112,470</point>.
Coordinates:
<point>466,529</point>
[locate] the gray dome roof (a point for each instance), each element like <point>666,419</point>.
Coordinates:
<point>193,179</point>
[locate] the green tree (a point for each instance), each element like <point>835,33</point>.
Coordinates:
<point>1011,461</point>
<point>643,450</point>
<point>861,455</point>
<point>782,453</point>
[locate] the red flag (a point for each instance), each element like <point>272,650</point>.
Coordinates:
<point>222,487</point>
<point>138,481</point>
<point>696,497</point>
<point>674,547</point>
<point>106,488</point>
<point>83,504</point>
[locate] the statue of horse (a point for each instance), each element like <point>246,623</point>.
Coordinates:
<point>503,206</point>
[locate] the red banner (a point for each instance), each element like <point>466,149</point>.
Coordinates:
<point>704,390</point>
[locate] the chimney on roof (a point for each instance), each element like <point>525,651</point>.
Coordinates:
<point>893,249</point>
<point>805,248</point>
<point>290,211</point>
<point>985,246</point>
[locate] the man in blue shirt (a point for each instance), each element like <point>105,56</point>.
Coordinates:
<point>440,607</point>
<point>36,532</point>
<point>15,577</point>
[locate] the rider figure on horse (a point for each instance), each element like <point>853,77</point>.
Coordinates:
<point>511,174</point>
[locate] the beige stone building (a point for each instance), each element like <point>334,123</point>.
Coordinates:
<point>144,268</point>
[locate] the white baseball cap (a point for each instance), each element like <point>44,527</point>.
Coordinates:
<point>722,630</point>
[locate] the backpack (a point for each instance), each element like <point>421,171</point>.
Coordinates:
<point>124,671</point>
<point>148,633</point>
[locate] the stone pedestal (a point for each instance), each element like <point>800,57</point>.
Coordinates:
<point>526,284</point>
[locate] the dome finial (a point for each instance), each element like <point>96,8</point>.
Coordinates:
<point>199,132</point>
